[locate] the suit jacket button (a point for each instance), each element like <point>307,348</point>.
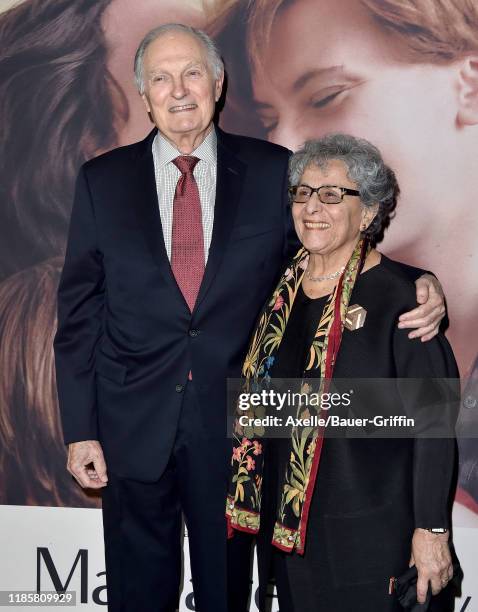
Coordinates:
<point>179,388</point>
<point>193,333</point>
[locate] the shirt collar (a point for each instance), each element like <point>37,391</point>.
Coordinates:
<point>166,151</point>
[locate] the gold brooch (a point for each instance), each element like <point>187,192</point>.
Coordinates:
<point>355,317</point>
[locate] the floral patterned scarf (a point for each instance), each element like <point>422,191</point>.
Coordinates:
<point>244,499</point>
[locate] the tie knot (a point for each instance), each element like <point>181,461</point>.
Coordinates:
<point>185,163</point>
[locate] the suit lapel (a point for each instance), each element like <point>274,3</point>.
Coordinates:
<point>147,208</point>
<point>230,178</point>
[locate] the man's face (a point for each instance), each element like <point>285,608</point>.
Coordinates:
<point>180,90</point>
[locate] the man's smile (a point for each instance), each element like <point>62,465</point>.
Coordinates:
<point>179,108</point>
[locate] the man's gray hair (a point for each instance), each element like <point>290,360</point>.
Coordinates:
<point>215,62</point>
<point>375,181</point>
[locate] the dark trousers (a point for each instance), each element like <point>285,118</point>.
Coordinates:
<point>142,528</point>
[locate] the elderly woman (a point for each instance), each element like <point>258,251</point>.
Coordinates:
<point>347,514</point>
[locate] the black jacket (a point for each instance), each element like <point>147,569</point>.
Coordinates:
<point>126,339</point>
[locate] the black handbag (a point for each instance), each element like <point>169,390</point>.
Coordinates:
<point>405,588</point>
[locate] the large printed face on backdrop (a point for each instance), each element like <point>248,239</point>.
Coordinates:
<point>75,123</point>
<point>330,67</point>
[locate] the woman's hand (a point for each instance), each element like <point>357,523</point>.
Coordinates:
<point>427,317</point>
<point>431,556</point>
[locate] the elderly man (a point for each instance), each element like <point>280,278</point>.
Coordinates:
<point>174,245</point>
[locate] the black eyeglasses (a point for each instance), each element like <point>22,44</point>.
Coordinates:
<point>327,194</point>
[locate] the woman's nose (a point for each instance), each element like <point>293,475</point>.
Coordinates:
<point>313,204</point>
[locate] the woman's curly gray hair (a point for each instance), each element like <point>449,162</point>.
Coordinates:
<point>375,181</point>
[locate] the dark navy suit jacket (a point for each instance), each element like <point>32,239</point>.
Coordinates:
<point>126,339</point>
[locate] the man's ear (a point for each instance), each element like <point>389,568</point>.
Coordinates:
<point>146,102</point>
<point>218,85</point>
<point>468,91</point>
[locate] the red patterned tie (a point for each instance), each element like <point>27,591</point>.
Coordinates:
<point>187,252</point>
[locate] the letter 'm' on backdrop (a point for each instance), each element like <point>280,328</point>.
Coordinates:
<point>296,70</point>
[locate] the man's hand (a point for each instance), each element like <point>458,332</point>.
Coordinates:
<point>83,455</point>
<point>426,317</point>
<point>431,555</point>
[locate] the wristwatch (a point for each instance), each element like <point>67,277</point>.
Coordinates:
<point>437,529</point>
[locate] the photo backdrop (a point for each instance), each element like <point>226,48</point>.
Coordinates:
<point>401,73</point>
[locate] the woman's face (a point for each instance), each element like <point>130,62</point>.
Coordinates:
<point>125,23</point>
<point>330,68</point>
<point>329,229</point>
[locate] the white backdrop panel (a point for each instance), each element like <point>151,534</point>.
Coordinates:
<point>43,544</point>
